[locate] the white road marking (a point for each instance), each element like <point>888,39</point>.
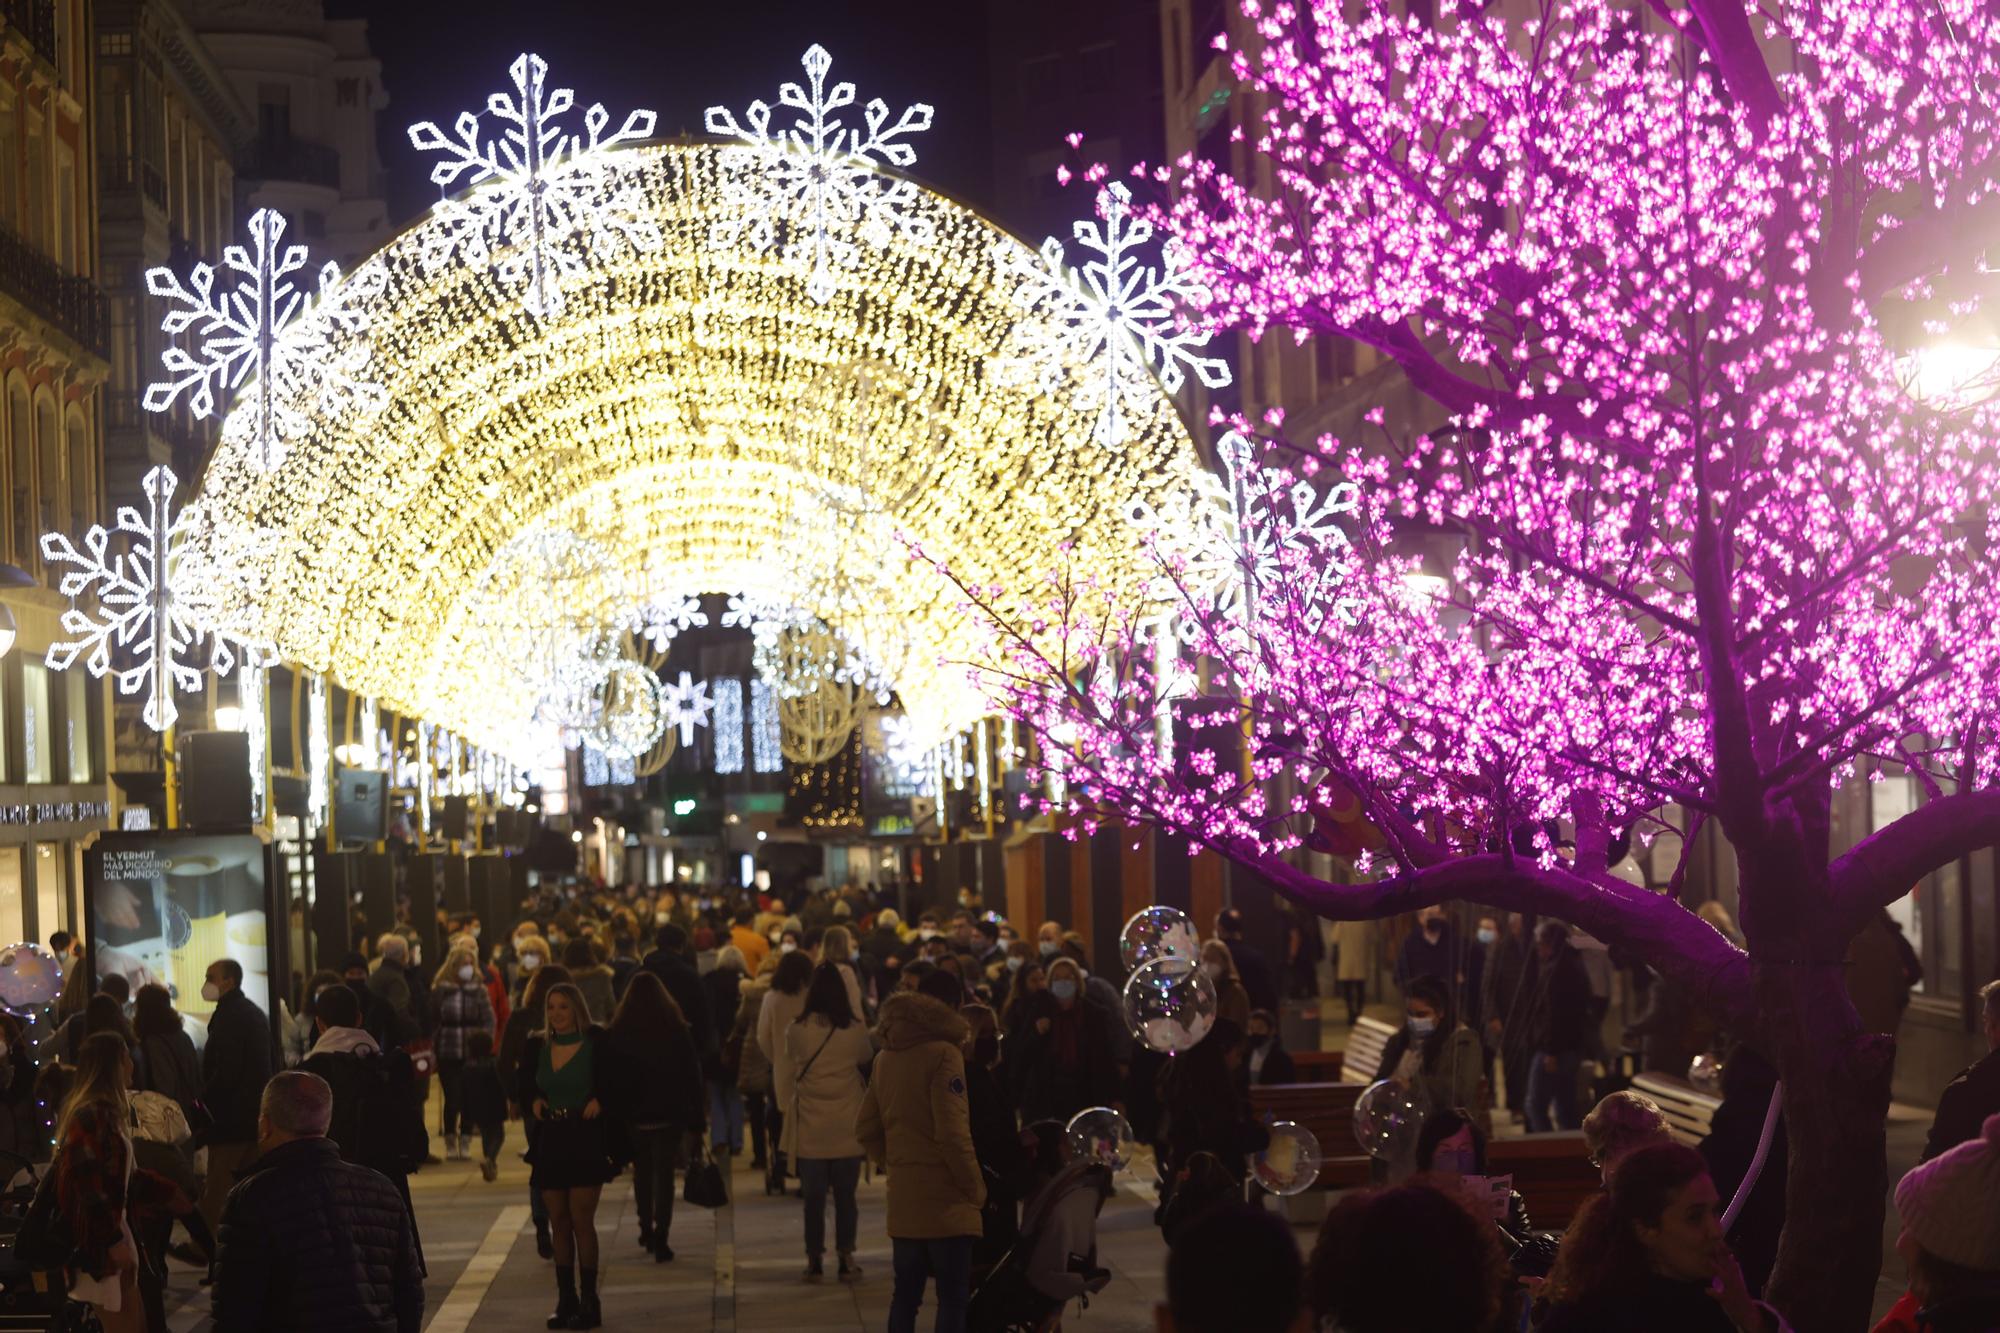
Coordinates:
<point>459,1308</point>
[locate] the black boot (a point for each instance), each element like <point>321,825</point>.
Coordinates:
<point>543,1245</point>
<point>566,1307</point>
<point>588,1313</point>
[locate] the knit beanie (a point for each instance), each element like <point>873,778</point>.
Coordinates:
<point>1947,1203</point>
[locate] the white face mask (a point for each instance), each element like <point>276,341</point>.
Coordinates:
<point>211,992</point>
<point>530,961</point>
<point>1014,962</point>
<point>467,973</point>
<point>788,946</point>
<point>659,918</point>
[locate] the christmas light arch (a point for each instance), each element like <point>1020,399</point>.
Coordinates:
<point>654,407</point>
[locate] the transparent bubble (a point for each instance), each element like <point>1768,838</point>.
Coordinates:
<point>1170,1004</point>
<point>1387,1118</point>
<point>1289,1164</point>
<point>1158,932</point>
<point>29,977</point>
<point>1705,1072</point>
<point>1101,1135</point>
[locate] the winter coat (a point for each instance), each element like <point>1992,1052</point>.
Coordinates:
<point>390,983</point>
<point>1967,1101</point>
<point>753,1067</point>
<point>458,1011</point>
<point>312,1244</point>
<point>655,1079</point>
<point>820,1087</point>
<point>172,1068</point>
<point>684,984</point>
<point>1559,1021</point>
<point>1655,1304</point>
<point>774,1019</point>
<point>1506,970</point>
<point>1355,943</point>
<point>1260,985</point>
<point>482,1095</point>
<point>1061,1226</point>
<point>513,1037</point>
<point>915,1119</point>
<point>235,1066</point>
<point>1052,1086</point>
<point>720,987</point>
<point>600,996</point>
<point>496,992</point>
<point>377,1121</point>
<point>754,947</point>
<point>1451,1080</point>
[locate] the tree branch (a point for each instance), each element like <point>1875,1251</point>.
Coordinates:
<point>1730,42</point>
<point>1652,926</point>
<point>1935,240</point>
<point>1886,865</point>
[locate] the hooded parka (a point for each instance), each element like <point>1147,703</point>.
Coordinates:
<point>915,1119</point>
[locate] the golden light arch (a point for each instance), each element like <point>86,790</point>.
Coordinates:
<point>652,410</point>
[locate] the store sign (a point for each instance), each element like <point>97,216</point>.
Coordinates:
<point>56,812</point>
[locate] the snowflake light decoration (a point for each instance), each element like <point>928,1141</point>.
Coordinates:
<point>687,706</point>
<point>663,619</point>
<point>542,200</point>
<point>295,343</point>
<point>156,603</point>
<point>821,180</point>
<point>1114,314</point>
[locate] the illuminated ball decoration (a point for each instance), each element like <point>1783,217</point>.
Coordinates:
<point>1170,1004</point>
<point>1290,1162</point>
<point>1099,1134</point>
<point>29,978</point>
<point>655,410</point>
<point>1158,932</point>
<point>631,712</point>
<point>1387,1118</point>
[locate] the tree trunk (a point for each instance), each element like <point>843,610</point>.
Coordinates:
<point>1836,1081</point>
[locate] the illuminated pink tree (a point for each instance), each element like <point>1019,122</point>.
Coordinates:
<point>1714,555</point>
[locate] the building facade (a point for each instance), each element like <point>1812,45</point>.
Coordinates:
<point>53,369</point>
<point>314,89</point>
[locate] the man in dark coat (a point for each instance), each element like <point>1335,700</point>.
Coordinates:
<point>1975,1094</point>
<point>235,1065</point>
<point>309,1242</point>
<point>1259,982</point>
<point>1559,1030</point>
<point>1433,950</point>
<point>670,964</point>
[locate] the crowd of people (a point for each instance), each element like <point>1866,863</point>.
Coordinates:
<point>611,1032</point>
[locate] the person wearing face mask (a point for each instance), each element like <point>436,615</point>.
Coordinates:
<point>1005,969</point>
<point>1265,1061</point>
<point>531,954</point>
<point>1450,1148</point>
<point>1232,1001</point>
<point>1433,949</point>
<point>1434,1054</point>
<point>235,1065</point>
<point>1048,940</point>
<point>459,1008</point>
<point>1066,1063</point>
<point>1648,1256</point>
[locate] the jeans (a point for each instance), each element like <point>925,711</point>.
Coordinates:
<point>656,1152</point>
<point>725,1117</point>
<point>491,1137</point>
<point>1552,1091</point>
<point>949,1264</point>
<point>451,1078</point>
<point>844,1174</point>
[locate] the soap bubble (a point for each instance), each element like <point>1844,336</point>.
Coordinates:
<point>1158,932</point>
<point>1705,1072</point>
<point>1289,1164</point>
<point>1101,1135</point>
<point>29,977</point>
<point>1170,1004</point>
<point>1386,1119</point>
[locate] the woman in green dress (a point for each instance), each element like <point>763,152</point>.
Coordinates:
<point>561,1083</point>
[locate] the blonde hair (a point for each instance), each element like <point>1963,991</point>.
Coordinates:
<point>100,1079</point>
<point>447,973</point>
<point>1623,1122</point>
<point>835,945</point>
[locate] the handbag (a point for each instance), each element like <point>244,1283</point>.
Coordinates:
<point>44,1240</point>
<point>423,1056</point>
<point>704,1187</point>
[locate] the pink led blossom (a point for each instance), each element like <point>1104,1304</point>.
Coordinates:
<point>1661,269</point>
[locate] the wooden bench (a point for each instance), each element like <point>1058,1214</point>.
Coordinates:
<point>1316,1066</point>
<point>1327,1110</point>
<point>1689,1110</point>
<point>1552,1172</point>
<point>1366,1041</point>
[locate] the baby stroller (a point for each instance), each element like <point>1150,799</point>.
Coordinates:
<point>32,1300</point>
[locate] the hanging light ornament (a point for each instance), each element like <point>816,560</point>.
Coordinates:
<point>819,704</point>
<point>630,710</point>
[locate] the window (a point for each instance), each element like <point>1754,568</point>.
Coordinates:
<point>37,758</point>
<point>49,494</point>
<point>20,464</point>
<point>50,892</point>
<point>13,925</point>
<point>76,726</point>
<point>1932,915</point>
<point>1097,67</point>
<point>274,113</point>
<point>114,43</point>
<point>77,467</point>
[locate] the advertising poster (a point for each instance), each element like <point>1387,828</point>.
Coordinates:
<point>163,906</point>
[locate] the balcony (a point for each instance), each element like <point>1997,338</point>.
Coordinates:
<point>34,20</point>
<point>124,409</point>
<point>271,159</point>
<point>72,303</point>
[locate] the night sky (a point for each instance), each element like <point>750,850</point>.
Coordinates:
<point>677,57</point>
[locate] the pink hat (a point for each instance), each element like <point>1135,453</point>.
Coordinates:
<point>1947,1203</point>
